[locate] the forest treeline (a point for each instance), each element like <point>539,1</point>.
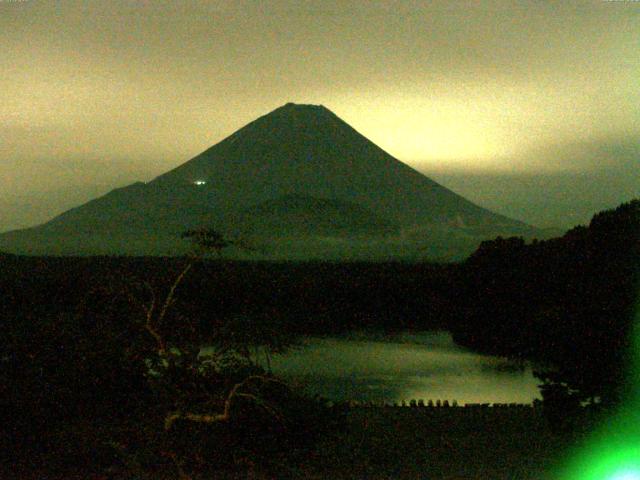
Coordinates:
<point>307,298</point>
<point>567,304</point>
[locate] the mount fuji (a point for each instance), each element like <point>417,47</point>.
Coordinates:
<point>299,182</point>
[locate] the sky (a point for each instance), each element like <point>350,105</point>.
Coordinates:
<point>530,108</point>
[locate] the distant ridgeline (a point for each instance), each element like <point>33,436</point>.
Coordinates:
<point>566,303</point>
<point>297,183</point>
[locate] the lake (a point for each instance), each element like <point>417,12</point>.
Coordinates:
<point>403,367</point>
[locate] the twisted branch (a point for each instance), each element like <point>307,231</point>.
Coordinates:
<point>151,323</point>
<point>225,416</point>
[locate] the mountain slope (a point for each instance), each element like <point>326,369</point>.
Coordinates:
<point>296,151</point>
<point>301,216</point>
<point>307,149</point>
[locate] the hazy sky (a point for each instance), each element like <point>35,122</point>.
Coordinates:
<point>97,94</point>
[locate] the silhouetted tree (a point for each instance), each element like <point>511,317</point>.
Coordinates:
<point>216,390</point>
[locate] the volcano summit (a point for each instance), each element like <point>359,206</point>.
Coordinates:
<point>298,182</point>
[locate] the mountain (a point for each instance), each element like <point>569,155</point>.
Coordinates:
<point>299,180</point>
<point>303,216</point>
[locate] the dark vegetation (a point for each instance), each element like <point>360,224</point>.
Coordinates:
<point>441,443</point>
<point>567,304</point>
<point>97,377</point>
<point>100,373</point>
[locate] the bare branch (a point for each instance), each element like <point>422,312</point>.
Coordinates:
<point>169,300</point>
<point>152,324</point>
<point>229,403</point>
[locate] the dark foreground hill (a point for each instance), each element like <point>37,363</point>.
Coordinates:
<point>298,182</point>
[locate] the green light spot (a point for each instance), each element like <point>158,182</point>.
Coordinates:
<point>626,475</point>
<point>613,452</point>
<point>607,463</point>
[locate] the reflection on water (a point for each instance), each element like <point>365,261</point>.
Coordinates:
<point>425,366</point>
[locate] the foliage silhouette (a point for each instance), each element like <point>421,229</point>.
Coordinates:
<point>565,303</point>
<point>118,385</point>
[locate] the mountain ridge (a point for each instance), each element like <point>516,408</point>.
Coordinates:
<point>303,150</point>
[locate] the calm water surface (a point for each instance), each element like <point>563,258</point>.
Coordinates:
<point>420,366</point>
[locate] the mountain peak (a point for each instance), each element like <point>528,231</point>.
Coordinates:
<point>303,106</point>
<point>287,122</point>
<point>301,110</point>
